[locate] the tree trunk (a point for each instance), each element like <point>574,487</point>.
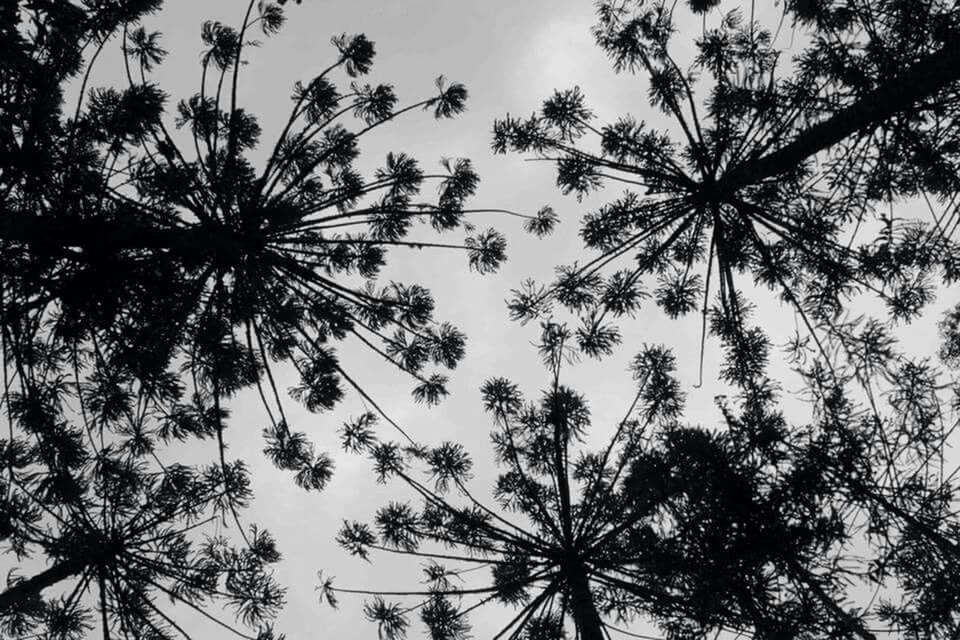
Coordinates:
<point>31,587</point>
<point>110,236</point>
<point>932,73</point>
<point>582,607</point>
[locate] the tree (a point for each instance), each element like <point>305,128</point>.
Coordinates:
<point>753,528</point>
<point>148,274</point>
<point>888,456</point>
<point>85,490</point>
<point>172,255</point>
<point>772,168</point>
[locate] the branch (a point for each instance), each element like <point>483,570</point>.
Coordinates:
<point>930,74</point>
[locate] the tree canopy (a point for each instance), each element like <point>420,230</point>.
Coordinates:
<point>160,262</point>
<point>123,524</point>
<point>120,230</point>
<point>772,170</point>
<point>755,527</point>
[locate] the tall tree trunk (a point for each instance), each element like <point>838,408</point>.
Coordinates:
<point>31,587</point>
<point>110,236</point>
<point>930,74</point>
<point>582,607</point>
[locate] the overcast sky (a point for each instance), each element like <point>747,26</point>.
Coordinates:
<point>511,54</point>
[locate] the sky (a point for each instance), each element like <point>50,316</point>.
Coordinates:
<point>511,55</point>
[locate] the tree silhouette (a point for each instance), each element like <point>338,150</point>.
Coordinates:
<point>151,270</point>
<point>772,168</point>
<point>189,255</point>
<point>754,528</point>
<point>85,489</point>
<point>887,455</point>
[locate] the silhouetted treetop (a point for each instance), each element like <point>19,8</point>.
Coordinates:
<point>753,527</point>
<point>773,166</point>
<point>174,249</point>
<point>124,538</point>
<point>159,257</point>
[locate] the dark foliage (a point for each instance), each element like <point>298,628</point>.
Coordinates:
<point>890,460</point>
<point>106,536</point>
<point>188,256</point>
<point>774,168</point>
<point>755,528</point>
<point>150,270</point>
